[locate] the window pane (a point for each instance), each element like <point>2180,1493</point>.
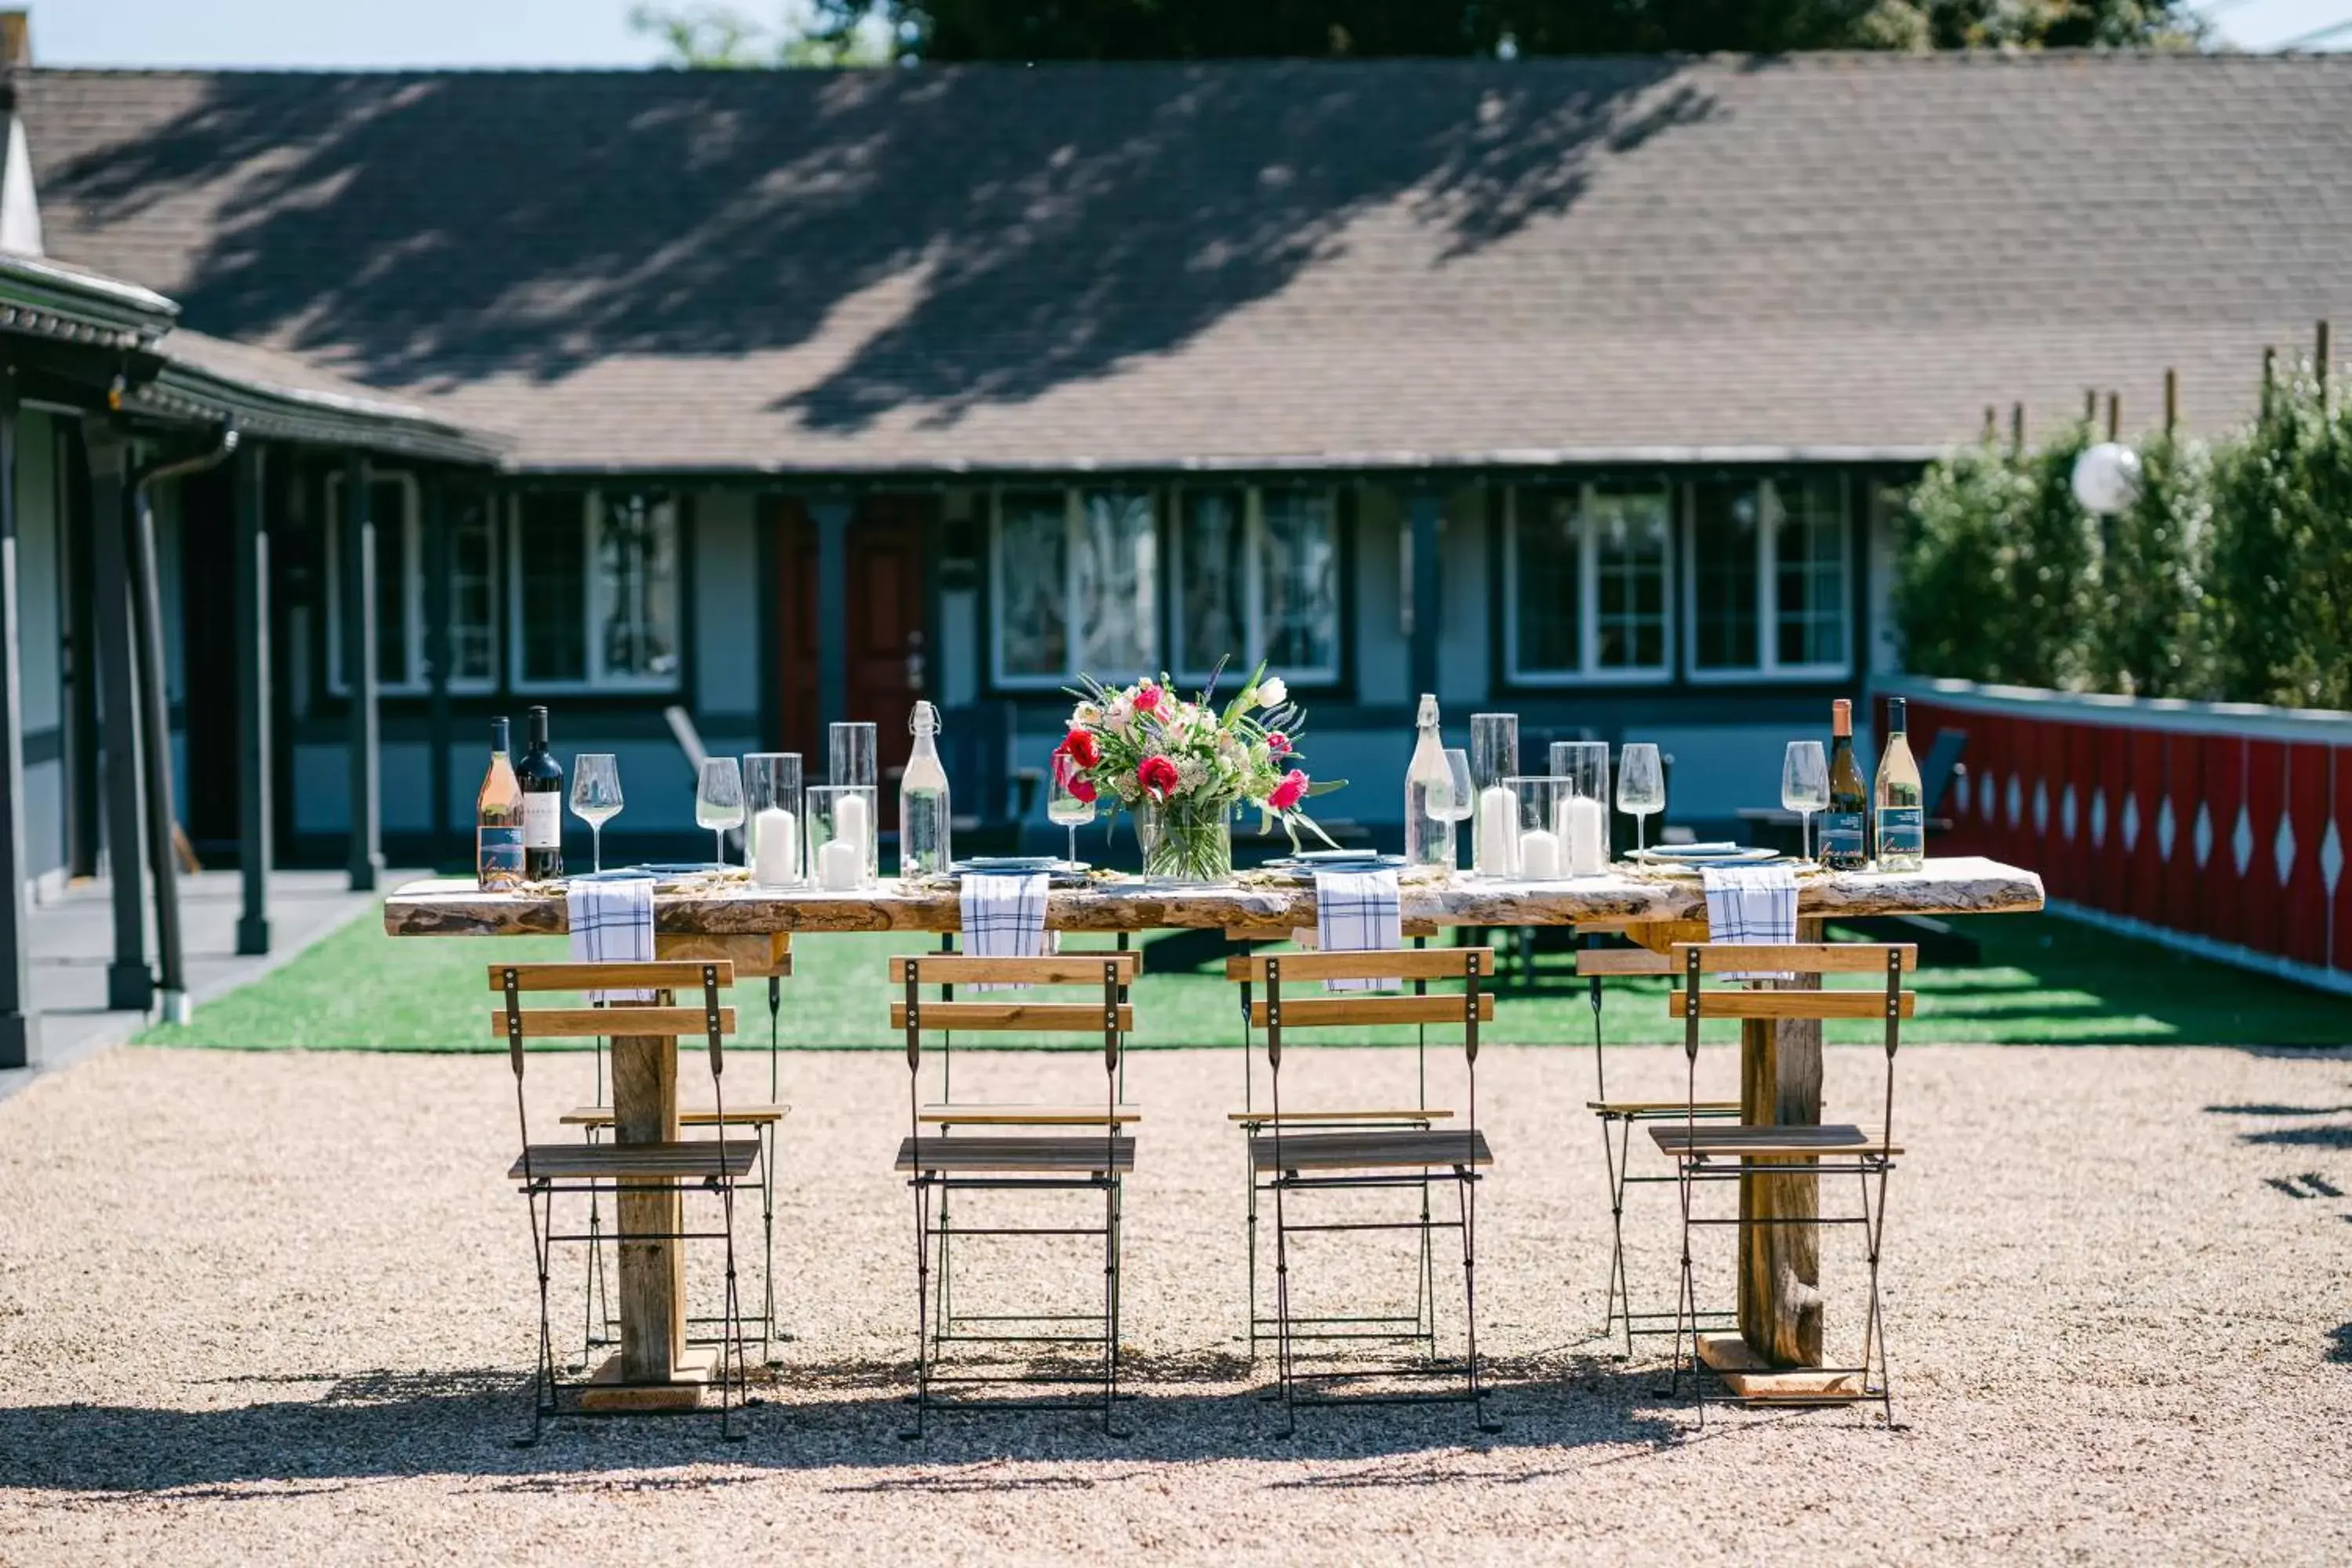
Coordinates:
<point>473,592</point>
<point>1629,527</point>
<point>1208,614</point>
<point>1808,544</point>
<point>636,587</point>
<point>1546,596</point>
<point>1300,576</point>
<point>1723,569</point>
<point>1032,578</point>
<point>1115,582</point>
<point>551,559</point>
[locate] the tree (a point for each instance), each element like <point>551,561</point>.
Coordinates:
<point>840,31</point>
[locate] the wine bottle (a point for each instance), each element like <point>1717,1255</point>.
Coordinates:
<point>542,805</point>
<point>923,846</point>
<point>497,820</point>
<point>1842,838</point>
<point>1430,809</point>
<point>1902,825</point>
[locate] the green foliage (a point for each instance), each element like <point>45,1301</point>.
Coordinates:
<point>2151,634</point>
<point>2055,560</point>
<point>2282,563</point>
<point>1955,562</point>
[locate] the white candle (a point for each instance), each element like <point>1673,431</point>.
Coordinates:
<point>775,847</point>
<point>853,824</point>
<point>840,867</point>
<point>1498,831</point>
<point>1583,830</point>
<point>1538,854</point>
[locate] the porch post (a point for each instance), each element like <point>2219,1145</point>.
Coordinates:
<point>253,759</point>
<point>19,1021</point>
<point>1426,510</point>
<point>831,516</point>
<point>437,523</point>
<point>357,552</point>
<point>130,985</point>
<point>155,754</point>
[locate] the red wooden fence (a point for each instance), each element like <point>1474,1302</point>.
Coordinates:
<point>2224,827</point>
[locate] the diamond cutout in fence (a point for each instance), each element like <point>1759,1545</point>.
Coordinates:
<point>2200,837</point>
<point>2331,858</point>
<point>2016,799</point>
<point>1959,792</point>
<point>2098,820</point>
<point>2241,840</point>
<point>2283,850</point>
<point>2131,825</point>
<point>2041,807</point>
<point>2066,812</point>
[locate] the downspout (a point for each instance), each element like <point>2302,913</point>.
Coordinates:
<point>147,627</point>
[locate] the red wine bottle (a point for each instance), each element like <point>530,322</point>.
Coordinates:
<point>542,805</point>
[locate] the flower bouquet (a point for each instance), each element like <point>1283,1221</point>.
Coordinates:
<point>1183,769</point>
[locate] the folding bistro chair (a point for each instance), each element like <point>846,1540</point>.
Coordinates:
<point>1618,1118</point>
<point>545,1172</point>
<point>1289,1164</point>
<point>1722,1153</point>
<point>1050,1149</point>
<point>764,1118</point>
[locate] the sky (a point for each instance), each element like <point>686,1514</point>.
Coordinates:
<point>354,33</point>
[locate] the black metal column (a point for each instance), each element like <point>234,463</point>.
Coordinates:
<point>129,985</point>
<point>440,518</point>
<point>20,1020</point>
<point>155,755</point>
<point>831,516</point>
<point>255,822</point>
<point>358,588</point>
<point>1426,511</point>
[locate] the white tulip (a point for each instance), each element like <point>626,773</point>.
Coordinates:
<point>1271,692</point>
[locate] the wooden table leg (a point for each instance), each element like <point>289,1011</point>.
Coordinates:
<point>653,1368</point>
<point>1779,1265</point>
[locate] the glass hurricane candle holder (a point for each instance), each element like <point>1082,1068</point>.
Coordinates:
<point>849,755</point>
<point>1494,761</point>
<point>1581,811</point>
<point>772,794</point>
<point>1542,850</point>
<point>844,848</point>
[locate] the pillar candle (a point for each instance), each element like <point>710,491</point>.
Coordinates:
<point>1498,831</point>
<point>1583,831</point>
<point>775,847</point>
<point>853,824</point>
<point>840,867</point>
<point>1538,854</point>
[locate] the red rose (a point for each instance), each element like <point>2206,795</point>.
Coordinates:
<point>1081,748</point>
<point>1147,698</point>
<point>1158,777</point>
<point>1289,791</point>
<point>1277,743</point>
<point>1080,789</point>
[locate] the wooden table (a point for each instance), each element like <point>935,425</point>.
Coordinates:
<point>1780,1062</point>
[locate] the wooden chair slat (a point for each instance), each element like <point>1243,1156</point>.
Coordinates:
<point>661,974</point>
<point>753,1115</point>
<point>1791,1005</point>
<point>1028,1115</point>
<point>1368,1151</point>
<point>1624,961</point>
<point>693,1159</point>
<point>1402,962</point>
<point>1751,1142</point>
<point>1322,1011</point>
<point>1796,957</point>
<point>1054,969</point>
<point>1060,1153</point>
<point>543,1023</point>
<point>1062,1018</point>
<point>1423,1113</point>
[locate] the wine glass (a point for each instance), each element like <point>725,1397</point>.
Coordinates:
<point>596,796</point>
<point>1460,803</point>
<point>1063,806</point>
<point>719,802</point>
<point>1640,787</point>
<point>1805,786</point>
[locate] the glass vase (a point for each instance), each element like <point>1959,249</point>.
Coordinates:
<point>1186,841</point>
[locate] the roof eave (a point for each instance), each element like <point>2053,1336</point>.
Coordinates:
<point>72,306</point>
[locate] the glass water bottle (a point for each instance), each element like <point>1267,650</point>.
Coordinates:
<point>1429,815</point>
<point>923,801</point>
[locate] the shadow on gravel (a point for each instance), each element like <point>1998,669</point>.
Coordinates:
<point>2340,1344</point>
<point>385,1423</point>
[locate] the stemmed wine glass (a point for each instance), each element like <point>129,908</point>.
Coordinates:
<point>719,802</point>
<point>596,796</point>
<point>1805,786</point>
<point>1640,787</point>
<point>1063,806</point>
<point>1461,795</point>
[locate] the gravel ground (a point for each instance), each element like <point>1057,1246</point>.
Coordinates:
<point>260,1305</point>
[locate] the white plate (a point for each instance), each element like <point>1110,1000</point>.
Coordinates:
<point>1673,857</point>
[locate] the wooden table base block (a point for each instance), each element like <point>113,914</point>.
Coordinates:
<point>612,1388</point>
<point>1749,1375</point>
<point>1780,1264</point>
<point>652,1297</point>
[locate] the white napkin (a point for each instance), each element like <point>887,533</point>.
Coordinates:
<point>1750,904</point>
<point>1005,917</point>
<point>1358,911</point>
<point>613,922</point>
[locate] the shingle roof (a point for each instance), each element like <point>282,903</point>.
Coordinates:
<point>1243,264</point>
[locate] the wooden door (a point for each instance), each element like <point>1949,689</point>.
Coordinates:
<point>884,618</point>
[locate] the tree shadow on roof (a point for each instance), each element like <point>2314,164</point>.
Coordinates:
<point>940,237</point>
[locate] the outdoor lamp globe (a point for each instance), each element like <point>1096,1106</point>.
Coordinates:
<point>2106,479</point>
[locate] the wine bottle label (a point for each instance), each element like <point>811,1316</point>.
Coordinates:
<point>1840,834</point>
<point>497,851</point>
<point>542,820</point>
<point>1902,831</point>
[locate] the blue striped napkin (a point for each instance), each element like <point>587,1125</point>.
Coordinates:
<point>1358,911</point>
<point>613,922</point>
<point>1750,904</point>
<point>1005,917</point>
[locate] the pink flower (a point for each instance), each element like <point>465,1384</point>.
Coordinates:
<point>1081,748</point>
<point>1289,791</point>
<point>1158,777</point>
<point>1277,743</point>
<point>1147,696</point>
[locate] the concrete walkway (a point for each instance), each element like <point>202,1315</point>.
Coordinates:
<point>73,940</point>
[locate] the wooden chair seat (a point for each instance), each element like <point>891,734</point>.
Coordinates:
<point>1038,1154</point>
<point>983,1115</point>
<point>1265,1117</point>
<point>1751,1142</point>
<point>1374,1150</point>
<point>1649,1109</point>
<point>687,1116</point>
<point>703,1159</point>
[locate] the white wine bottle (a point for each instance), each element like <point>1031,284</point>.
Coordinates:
<point>1902,825</point>
<point>497,820</point>
<point>1842,846</point>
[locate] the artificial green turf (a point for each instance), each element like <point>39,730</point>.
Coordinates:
<point>2043,981</point>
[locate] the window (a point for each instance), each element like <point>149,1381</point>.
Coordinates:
<point>1767,591</point>
<point>1257,575</point>
<point>1587,568</point>
<point>594,595</point>
<point>1076,586</point>
<point>400,593</point>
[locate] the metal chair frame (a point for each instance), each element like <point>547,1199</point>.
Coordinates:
<point>933,1183</point>
<point>1284,1182</point>
<point>1868,1165</point>
<point>539,1192</point>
